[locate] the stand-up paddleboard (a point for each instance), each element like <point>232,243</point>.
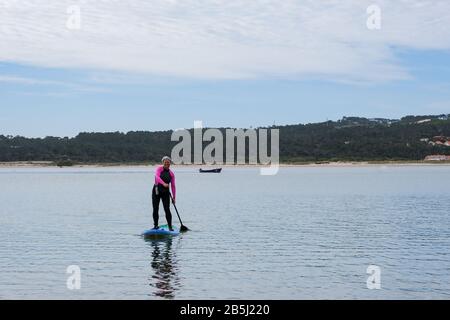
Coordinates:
<point>163,231</point>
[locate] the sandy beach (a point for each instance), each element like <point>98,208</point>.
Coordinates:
<point>49,164</point>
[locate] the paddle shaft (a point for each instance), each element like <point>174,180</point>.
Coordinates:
<point>176,210</point>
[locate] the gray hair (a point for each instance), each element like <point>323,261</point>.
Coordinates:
<point>166,158</point>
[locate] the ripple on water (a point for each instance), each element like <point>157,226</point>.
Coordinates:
<point>305,233</point>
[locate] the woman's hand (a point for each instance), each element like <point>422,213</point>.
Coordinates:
<point>173,201</point>
<point>165,185</point>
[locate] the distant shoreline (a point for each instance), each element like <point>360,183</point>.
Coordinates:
<point>48,164</point>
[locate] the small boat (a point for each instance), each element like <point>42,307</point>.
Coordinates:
<point>211,171</point>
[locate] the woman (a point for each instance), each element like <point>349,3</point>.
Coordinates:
<point>163,178</point>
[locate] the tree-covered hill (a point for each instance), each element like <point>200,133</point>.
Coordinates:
<point>349,139</point>
<point>359,139</point>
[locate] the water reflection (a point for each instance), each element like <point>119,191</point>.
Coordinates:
<point>164,278</point>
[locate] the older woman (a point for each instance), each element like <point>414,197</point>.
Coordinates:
<point>163,178</point>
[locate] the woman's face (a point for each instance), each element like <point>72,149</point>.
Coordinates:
<point>166,164</point>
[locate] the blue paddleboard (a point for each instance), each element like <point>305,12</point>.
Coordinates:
<point>161,232</point>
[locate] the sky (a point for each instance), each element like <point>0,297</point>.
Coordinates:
<point>108,65</point>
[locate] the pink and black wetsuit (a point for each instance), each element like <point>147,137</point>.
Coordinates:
<point>162,193</point>
<point>165,176</point>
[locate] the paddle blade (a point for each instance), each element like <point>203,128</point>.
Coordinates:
<point>184,229</point>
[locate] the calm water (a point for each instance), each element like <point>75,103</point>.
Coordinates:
<point>305,233</point>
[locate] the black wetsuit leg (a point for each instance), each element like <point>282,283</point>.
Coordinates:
<point>155,200</point>
<point>165,196</point>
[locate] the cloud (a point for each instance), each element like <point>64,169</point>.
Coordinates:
<point>27,81</point>
<point>224,39</point>
<point>68,86</point>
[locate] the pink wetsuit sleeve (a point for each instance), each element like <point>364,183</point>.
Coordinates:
<point>173,185</point>
<point>158,179</point>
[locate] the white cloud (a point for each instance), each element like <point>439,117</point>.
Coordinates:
<point>224,39</point>
<point>68,86</point>
<point>29,81</point>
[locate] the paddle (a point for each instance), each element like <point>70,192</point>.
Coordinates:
<point>183,228</point>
